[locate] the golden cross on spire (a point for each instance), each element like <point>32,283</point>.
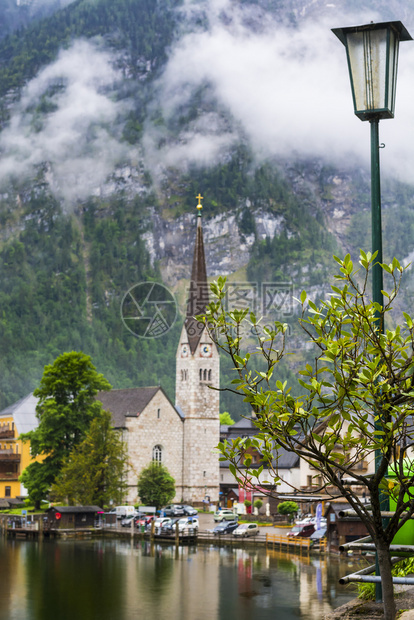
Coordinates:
<point>199,206</point>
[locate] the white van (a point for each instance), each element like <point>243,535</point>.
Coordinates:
<point>124,511</point>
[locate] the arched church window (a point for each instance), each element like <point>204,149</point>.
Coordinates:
<point>209,375</point>
<point>205,374</point>
<point>201,374</point>
<point>157,454</point>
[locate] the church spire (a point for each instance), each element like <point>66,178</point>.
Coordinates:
<point>198,296</point>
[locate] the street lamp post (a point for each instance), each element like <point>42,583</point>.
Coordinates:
<point>372,54</point>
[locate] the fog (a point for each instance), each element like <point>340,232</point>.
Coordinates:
<point>78,136</point>
<point>36,5</point>
<point>286,88</point>
<point>283,89</point>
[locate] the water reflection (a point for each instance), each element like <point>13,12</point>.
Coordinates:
<point>117,580</point>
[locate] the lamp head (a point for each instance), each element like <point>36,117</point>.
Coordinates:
<point>372,53</point>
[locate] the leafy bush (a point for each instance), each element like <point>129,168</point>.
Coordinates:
<point>288,508</point>
<point>225,418</point>
<point>366,591</point>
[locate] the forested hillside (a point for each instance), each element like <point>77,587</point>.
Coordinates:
<point>140,27</point>
<point>100,164</point>
<point>15,14</point>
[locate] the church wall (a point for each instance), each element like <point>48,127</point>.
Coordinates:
<point>201,477</point>
<point>148,430</point>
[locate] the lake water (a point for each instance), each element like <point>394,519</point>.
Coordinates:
<point>122,580</point>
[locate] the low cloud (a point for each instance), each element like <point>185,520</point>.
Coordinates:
<point>247,76</point>
<point>52,4</point>
<point>68,118</point>
<point>286,88</point>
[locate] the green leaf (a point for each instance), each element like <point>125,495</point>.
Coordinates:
<point>408,320</point>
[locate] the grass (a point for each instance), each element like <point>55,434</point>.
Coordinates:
<point>259,523</point>
<point>29,508</point>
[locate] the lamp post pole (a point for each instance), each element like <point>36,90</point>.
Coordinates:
<point>372,53</point>
<point>377,297</point>
<point>377,282</point>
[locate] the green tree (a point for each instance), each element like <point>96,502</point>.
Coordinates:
<point>156,486</point>
<point>288,508</point>
<point>95,471</point>
<point>36,479</point>
<point>65,410</point>
<point>225,418</point>
<point>356,403</point>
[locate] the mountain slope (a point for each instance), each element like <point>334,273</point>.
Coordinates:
<point>113,120</point>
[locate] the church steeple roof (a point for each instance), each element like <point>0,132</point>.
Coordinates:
<point>198,296</point>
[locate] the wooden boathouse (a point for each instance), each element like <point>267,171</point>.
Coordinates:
<point>72,517</point>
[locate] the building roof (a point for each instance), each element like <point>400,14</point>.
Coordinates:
<point>245,427</point>
<point>179,411</point>
<point>10,502</point>
<point>338,506</point>
<point>23,413</point>
<point>286,460</point>
<point>77,509</point>
<point>198,297</point>
<point>244,423</point>
<point>130,402</point>
<point>126,403</point>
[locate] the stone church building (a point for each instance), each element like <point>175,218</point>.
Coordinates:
<point>182,436</point>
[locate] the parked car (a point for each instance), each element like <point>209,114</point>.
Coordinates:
<point>144,521</point>
<point>161,522</point>
<point>225,515</point>
<point>169,528</point>
<point>302,531</point>
<point>190,523</point>
<point>225,527</point>
<point>126,521</point>
<point>173,510</point>
<point>124,511</point>
<point>304,520</point>
<point>246,529</point>
<point>190,511</point>
<point>316,536</point>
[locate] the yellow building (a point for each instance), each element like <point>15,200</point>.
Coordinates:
<point>14,454</point>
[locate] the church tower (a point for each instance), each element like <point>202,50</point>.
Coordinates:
<point>198,368</point>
